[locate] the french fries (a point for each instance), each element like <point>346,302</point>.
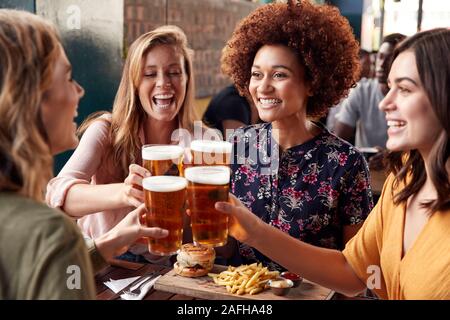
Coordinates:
<point>250,279</point>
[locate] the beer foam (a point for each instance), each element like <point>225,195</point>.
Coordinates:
<point>215,175</point>
<point>211,146</point>
<point>164,183</point>
<point>162,152</point>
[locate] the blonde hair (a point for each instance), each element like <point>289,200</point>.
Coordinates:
<point>128,114</point>
<point>29,47</point>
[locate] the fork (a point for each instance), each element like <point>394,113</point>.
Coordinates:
<point>137,289</point>
<point>139,280</point>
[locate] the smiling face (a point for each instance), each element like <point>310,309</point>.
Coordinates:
<point>277,84</point>
<point>163,86</point>
<point>59,107</point>
<point>411,120</point>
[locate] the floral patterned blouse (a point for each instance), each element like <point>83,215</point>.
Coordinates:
<point>310,191</point>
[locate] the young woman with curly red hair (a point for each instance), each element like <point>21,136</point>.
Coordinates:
<point>294,61</point>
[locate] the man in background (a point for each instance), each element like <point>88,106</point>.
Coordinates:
<point>359,118</point>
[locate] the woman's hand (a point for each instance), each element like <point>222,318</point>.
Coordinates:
<point>117,240</point>
<point>243,225</point>
<point>133,194</point>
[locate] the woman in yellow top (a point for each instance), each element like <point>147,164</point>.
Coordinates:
<point>402,250</point>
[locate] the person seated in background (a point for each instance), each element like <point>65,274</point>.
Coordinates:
<point>366,64</point>
<point>38,103</point>
<point>304,181</point>
<point>366,72</point>
<point>359,118</point>
<point>102,180</point>
<point>373,63</point>
<point>228,110</point>
<point>402,250</point>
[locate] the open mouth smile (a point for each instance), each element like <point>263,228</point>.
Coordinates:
<point>163,101</point>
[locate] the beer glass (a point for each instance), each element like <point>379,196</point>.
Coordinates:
<point>208,152</point>
<point>162,160</point>
<point>206,186</point>
<point>165,199</point>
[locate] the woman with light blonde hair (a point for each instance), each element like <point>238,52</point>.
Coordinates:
<point>103,178</point>
<point>38,102</point>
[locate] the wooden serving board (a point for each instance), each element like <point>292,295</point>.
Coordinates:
<point>205,288</point>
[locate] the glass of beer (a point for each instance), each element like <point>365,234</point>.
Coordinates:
<point>162,160</point>
<point>165,199</point>
<point>208,152</point>
<point>206,186</point>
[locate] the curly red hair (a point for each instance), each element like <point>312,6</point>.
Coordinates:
<point>321,38</point>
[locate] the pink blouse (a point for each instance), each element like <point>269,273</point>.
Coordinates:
<point>87,165</point>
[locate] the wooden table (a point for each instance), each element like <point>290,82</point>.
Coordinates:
<point>126,270</point>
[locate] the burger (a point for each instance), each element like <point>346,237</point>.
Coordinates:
<point>194,261</point>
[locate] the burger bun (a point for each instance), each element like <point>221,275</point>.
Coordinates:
<point>194,260</point>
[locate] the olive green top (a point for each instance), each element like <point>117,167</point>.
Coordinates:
<point>42,253</point>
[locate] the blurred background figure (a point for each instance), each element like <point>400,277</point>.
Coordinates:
<point>359,120</point>
<point>373,62</point>
<point>367,71</point>
<point>366,64</point>
<point>229,110</point>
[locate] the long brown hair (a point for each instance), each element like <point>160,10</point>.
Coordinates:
<point>29,47</point>
<point>431,49</point>
<point>128,114</point>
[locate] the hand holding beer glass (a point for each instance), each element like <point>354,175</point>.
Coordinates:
<point>165,199</point>
<point>162,160</point>
<point>206,186</point>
